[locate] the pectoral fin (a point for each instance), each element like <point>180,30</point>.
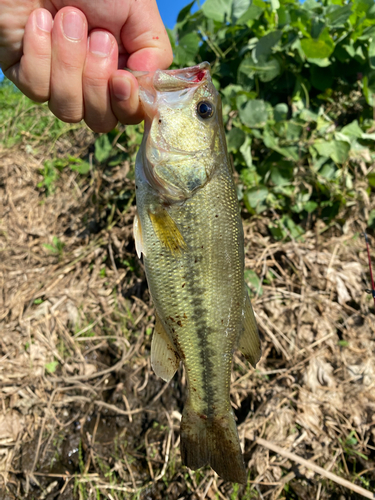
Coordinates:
<point>249,343</point>
<point>164,358</point>
<point>167,231</point>
<point>138,238</point>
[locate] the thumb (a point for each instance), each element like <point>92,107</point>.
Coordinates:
<point>145,38</point>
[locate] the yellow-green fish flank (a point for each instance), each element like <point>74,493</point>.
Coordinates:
<point>189,230</point>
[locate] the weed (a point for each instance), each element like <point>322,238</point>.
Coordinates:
<point>56,247</point>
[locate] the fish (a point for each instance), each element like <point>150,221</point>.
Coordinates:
<point>189,230</point>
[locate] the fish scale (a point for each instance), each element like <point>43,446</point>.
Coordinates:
<point>189,230</point>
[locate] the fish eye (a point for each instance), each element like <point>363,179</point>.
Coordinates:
<point>205,109</point>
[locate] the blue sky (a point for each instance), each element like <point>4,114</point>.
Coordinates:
<point>168,11</point>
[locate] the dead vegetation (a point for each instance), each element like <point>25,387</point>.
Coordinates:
<point>82,414</point>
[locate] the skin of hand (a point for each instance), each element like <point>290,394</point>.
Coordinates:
<point>68,52</point>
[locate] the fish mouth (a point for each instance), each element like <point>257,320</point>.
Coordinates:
<point>177,79</point>
<point>169,81</point>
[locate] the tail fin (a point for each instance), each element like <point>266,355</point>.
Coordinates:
<point>213,441</point>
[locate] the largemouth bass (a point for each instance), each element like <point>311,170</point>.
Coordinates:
<point>189,230</point>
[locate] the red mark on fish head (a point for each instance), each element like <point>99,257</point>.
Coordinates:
<point>155,38</point>
<point>199,77</point>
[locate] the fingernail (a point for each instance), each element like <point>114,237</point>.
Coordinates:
<point>73,25</point>
<point>121,88</point>
<point>100,43</point>
<point>43,21</point>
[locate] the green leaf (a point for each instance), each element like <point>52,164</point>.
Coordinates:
<point>343,343</point>
<point>172,37</point>
<point>308,116</point>
<point>353,130</point>
<point>371,220</point>
<point>51,367</point>
<point>280,112</point>
<point>284,16</point>
<point>369,88</point>
<point>218,10</point>
<point>338,15</point>
<point>239,8</point>
<point>103,148</point>
<point>275,4</point>
<point>255,198</point>
<point>328,171</point>
<point>253,12</point>
<point>338,151</point>
<point>371,53</point>
<point>245,150</point>
<point>266,43</point>
<point>82,167</point>
<point>282,173</point>
<point>235,139</point>
<point>254,113</point>
<point>265,69</point>
<point>291,153</point>
<point>51,248</point>
<point>371,179</point>
<point>183,14</point>
<point>323,63</point>
<point>286,228</point>
<point>318,48</point>
<point>310,206</point>
<point>187,48</point>
<point>253,282</point>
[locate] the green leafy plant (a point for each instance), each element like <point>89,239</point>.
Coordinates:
<point>52,168</point>
<point>56,247</point>
<point>51,367</point>
<point>298,85</point>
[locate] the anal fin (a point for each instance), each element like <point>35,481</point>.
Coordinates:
<point>249,342</point>
<point>167,231</point>
<point>164,358</point>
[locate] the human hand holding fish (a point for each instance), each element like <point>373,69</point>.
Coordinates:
<point>189,230</point>
<point>68,52</point>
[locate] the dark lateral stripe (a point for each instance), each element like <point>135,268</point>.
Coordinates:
<point>202,332</point>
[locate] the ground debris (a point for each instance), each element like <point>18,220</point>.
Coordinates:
<point>83,415</point>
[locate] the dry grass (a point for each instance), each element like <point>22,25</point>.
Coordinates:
<point>82,414</point>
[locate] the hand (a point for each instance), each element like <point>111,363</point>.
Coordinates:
<point>70,55</point>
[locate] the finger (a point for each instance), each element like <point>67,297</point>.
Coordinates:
<point>124,97</point>
<point>145,38</point>
<point>69,46</point>
<point>101,62</point>
<point>32,74</point>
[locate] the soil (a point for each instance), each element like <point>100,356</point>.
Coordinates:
<point>83,416</point>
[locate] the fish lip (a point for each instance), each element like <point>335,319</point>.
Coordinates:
<point>175,79</point>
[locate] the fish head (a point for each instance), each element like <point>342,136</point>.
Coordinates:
<point>183,124</point>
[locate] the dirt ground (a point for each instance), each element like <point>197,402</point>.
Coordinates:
<point>82,414</point>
